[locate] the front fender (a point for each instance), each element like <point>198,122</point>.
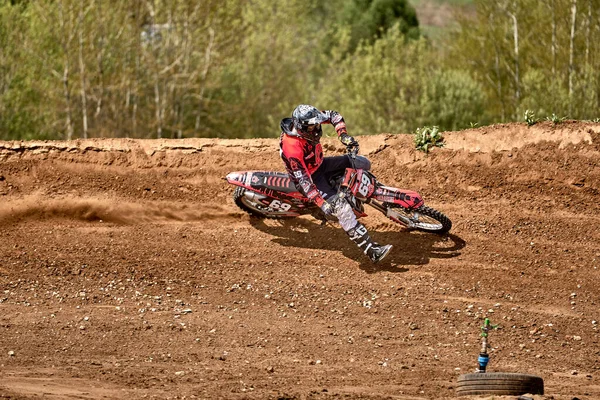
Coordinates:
<point>404,198</point>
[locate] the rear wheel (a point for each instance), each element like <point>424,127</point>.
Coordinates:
<point>252,206</point>
<point>246,204</point>
<point>499,383</point>
<point>424,218</point>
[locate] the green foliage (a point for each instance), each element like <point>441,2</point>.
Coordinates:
<point>530,54</point>
<point>428,137</point>
<point>273,70</point>
<point>555,119</point>
<point>530,117</point>
<point>585,100</point>
<point>442,2</point>
<point>371,19</point>
<point>396,85</point>
<point>542,94</point>
<point>182,68</point>
<point>118,68</point>
<point>451,98</point>
<point>372,88</point>
<point>19,97</point>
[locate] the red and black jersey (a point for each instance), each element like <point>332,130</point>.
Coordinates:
<point>302,157</point>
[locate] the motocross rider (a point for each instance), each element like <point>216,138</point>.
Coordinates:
<point>302,154</point>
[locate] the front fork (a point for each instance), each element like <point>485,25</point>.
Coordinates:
<point>390,213</point>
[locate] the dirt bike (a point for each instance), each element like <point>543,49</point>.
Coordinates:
<point>268,194</point>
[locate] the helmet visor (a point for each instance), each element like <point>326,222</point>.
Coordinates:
<point>316,119</point>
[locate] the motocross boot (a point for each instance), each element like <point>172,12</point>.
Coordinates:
<point>375,251</point>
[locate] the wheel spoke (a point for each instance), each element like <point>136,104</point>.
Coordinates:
<point>424,218</point>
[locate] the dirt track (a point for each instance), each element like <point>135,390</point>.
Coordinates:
<point>126,271</point>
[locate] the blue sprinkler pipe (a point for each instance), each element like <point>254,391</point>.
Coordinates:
<point>484,358</point>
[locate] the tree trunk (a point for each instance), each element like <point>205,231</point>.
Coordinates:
<point>498,84</point>
<point>553,8</point>
<point>157,113</point>
<point>517,61</point>
<point>156,76</point>
<point>65,40</point>
<point>135,93</point>
<point>66,91</point>
<point>186,51</point>
<point>137,71</point>
<point>100,60</point>
<point>572,53</point>
<point>516,73</point>
<point>588,26</point>
<point>82,74</point>
<point>207,60</point>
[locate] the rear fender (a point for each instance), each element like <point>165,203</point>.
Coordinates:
<point>272,184</point>
<point>239,178</point>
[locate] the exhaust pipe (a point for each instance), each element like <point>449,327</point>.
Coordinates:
<point>253,196</point>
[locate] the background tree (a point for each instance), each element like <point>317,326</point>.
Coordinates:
<point>369,20</point>
<point>19,100</point>
<point>277,66</point>
<point>556,56</point>
<point>224,68</point>
<point>396,85</point>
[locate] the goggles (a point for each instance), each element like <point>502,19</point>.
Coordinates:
<point>312,127</point>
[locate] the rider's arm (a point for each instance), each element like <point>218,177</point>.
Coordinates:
<point>292,154</point>
<point>336,119</point>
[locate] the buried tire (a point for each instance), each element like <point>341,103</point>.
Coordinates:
<point>499,383</point>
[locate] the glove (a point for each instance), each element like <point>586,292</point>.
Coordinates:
<point>328,210</point>
<point>348,140</point>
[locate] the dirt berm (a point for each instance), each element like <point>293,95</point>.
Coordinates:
<point>126,272</point>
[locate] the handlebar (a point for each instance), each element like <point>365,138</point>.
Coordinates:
<point>352,152</point>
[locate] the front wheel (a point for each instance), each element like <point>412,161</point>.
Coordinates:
<point>424,218</point>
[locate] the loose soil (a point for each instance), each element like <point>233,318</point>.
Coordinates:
<point>127,271</point>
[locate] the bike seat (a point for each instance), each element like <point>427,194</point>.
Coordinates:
<point>279,181</point>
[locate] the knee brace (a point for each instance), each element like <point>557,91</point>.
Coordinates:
<point>345,214</point>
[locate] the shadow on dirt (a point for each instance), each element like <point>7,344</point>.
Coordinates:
<point>410,248</point>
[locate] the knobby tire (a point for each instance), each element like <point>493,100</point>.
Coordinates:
<point>432,213</point>
<point>238,198</point>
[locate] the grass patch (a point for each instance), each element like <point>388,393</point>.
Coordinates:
<point>428,137</point>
